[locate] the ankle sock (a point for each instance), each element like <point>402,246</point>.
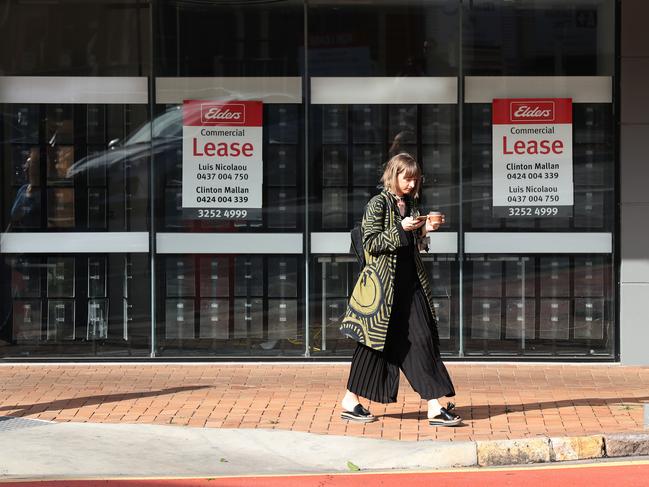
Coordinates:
<point>348,404</point>
<point>433,410</point>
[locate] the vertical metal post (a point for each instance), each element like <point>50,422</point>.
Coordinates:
<point>523,304</point>
<point>152,228</point>
<point>307,247</point>
<point>460,249</point>
<point>323,333</point>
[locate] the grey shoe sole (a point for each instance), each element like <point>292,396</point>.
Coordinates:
<point>444,422</point>
<point>350,416</point>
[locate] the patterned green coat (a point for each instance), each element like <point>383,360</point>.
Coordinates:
<point>370,305</point>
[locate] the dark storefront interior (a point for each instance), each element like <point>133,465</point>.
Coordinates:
<point>108,160</point>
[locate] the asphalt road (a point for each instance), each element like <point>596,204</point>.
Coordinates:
<point>621,474</point>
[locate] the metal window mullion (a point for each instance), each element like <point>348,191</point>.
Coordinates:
<point>460,139</point>
<point>307,241</point>
<point>152,206</point>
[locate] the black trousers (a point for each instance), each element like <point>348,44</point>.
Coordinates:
<point>412,345</point>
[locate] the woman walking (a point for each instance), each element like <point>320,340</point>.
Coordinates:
<point>390,312</point>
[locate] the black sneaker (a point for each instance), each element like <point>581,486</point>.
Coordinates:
<point>446,417</point>
<point>358,415</point>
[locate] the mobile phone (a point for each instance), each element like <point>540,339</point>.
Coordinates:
<point>421,217</point>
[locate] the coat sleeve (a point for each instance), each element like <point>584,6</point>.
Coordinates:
<point>377,239</point>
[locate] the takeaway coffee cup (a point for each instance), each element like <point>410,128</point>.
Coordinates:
<point>436,217</point>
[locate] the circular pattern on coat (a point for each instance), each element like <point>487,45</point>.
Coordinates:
<point>367,296</point>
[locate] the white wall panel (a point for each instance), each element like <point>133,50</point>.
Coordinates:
<point>73,89</point>
<point>384,90</point>
<point>582,89</point>
<point>266,89</point>
<point>74,242</point>
<point>537,243</point>
<point>229,243</point>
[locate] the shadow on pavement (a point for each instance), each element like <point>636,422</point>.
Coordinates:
<point>77,402</point>
<point>486,411</point>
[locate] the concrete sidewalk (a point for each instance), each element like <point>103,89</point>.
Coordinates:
<point>82,450</point>
<point>118,419</point>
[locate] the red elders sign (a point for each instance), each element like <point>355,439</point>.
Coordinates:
<point>540,111</point>
<point>234,114</point>
<point>532,111</point>
<point>227,114</point>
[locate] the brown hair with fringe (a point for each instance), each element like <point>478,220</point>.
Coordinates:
<point>401,163</point>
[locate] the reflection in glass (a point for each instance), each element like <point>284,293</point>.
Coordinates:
<point>25,120</point>
<point>27,320</point>
<point>520,319</point>
<point>589,210</point>
<point>402,126</point>
<point>589,318</point>
<point>368,124</point>
<point>485,319</point>
<point>555,276</point>
<point>60,277</point>
<point>520,277</point>
<point>96,277</point>
<point>97,173</point>
<point>174,208</point>
<point>25,166</point>
<point>59,126</point>
<point>282,208</point>
<point>283,124</point>
<point>487,277</point>
<point>334,165</point>
<point>248,318</point>
<point>439,273</point>
<point>97,208</point>
<point>96,124</point>
<point>334,208</point>
<point>249,276</point>
<point>60,319</point>
<point>59,161</point>
<point>589,276</point>
<point>438,124</point>
<point>179,319</point>
<point>282,318</point>
<point>443,311</point>
<point>214,276</point>
<point>334,124</point>
<point>97,319</point>
<point>215,318</point>
<point>555,319</point>
<point>25,277</point>
<point>282,160</point>
<point>367,165</point>
<point>282,277</point>
<point>60,208</point>
<point>180,276</point>
<point>25,209</point>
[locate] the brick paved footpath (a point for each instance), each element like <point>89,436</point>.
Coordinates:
<point>497,401</point>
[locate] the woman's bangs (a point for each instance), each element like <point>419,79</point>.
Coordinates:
<point>411,171</point>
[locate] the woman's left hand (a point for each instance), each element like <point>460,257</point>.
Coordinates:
<point>432,225</point>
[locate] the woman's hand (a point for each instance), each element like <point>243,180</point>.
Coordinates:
<point>409,223</point>
<point>433,222</point>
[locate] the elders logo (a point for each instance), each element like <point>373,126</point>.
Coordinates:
<point>223,114</point>
<point>532,111</point>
